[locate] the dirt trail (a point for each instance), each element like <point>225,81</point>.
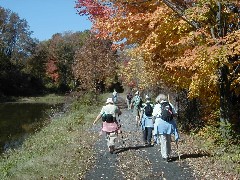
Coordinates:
<point>132,159</point>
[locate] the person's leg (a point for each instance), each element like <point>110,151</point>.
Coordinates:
<point>163,141</point>
<point>111,141</point>
<point>128,105</point>
<point>168,144</point>
<point>145,135</point>
<point>137,118</point>
<point>149,135</point>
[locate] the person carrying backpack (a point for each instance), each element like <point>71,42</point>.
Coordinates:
<point>165,125</point>
<point>128,100</point>
<point>110,125</point>
<point>147,121</point>
<point>114,96</point>
<point>137,104</point>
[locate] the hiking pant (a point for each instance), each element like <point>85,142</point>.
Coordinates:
<point>165,140</point>
<point>147,134</point>
<point>114,99</point>
<point>111,137</point>
<point>129,104</point>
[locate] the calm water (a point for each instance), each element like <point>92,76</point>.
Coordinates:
<point>19,120</point>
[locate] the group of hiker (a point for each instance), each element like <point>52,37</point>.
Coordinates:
<point>156,120</point>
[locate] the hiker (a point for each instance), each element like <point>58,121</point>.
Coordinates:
<point>110,124</point>
<point>147,121</point>
<point>128,100</point>
<point>165,125</point>
<point>114,96</point>
<point>137,104</point>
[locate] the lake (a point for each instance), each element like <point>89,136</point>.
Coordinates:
<point>19,120</point>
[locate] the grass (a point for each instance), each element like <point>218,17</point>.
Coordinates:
<point>50,98</point>
<point>63,149</point>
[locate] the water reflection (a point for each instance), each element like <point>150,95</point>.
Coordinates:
<point>18,120</point>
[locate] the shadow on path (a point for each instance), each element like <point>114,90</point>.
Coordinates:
<point>111,166</point>
<point>188,156</point>
<point>120,150</point>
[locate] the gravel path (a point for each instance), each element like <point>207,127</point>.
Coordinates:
<point>133,160</point>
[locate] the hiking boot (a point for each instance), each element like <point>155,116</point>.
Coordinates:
<point>111,149</point>
<point>148,144</point>
<point>166,159</point>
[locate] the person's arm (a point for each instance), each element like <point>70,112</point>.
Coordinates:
<point>97,118</point>
<point>173,110</point>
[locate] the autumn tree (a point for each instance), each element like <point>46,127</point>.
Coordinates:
<point>95,64</point>
<point>61,51</point>
<point>188,44</point>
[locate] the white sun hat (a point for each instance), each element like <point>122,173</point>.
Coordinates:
<point>161,97</point>
<point>109,100</point>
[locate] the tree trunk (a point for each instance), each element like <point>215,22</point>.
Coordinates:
<point>225,103</point>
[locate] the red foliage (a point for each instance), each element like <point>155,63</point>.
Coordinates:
<point>90,7</point>
<point>52,70</point>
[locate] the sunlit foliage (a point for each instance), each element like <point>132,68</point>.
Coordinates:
<point>186,44</point>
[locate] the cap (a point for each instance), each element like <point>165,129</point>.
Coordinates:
<point>109,100</point>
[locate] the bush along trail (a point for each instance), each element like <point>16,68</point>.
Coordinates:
<point>132,159</point>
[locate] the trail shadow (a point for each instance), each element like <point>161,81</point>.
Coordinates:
<point>186,156</point>
<point>120,150</point>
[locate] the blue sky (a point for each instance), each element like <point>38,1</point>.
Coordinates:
<point>47,17</point>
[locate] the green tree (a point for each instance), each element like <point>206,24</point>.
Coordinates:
<point>16,46</point>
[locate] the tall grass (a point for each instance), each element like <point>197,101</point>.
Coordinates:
<point>62,149</point>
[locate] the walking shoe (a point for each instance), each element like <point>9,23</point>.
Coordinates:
<point>111,149</point>
<point>148,144</point>
<point>166,159</point>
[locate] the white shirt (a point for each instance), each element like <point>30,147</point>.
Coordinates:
<point>157,109</point>
<point>110,109</point>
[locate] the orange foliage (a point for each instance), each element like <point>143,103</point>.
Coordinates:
<point>171,49</point>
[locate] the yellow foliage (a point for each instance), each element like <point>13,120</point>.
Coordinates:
<point>166,49</point>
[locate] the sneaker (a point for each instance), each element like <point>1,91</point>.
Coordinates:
<point>111,149</point>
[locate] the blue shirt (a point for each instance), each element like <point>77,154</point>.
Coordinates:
<point>164,127</point>
<point>146,122</point>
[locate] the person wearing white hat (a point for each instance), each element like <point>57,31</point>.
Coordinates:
<point>115,96</point>
<point>164,125</point>
<point>110,125</point>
